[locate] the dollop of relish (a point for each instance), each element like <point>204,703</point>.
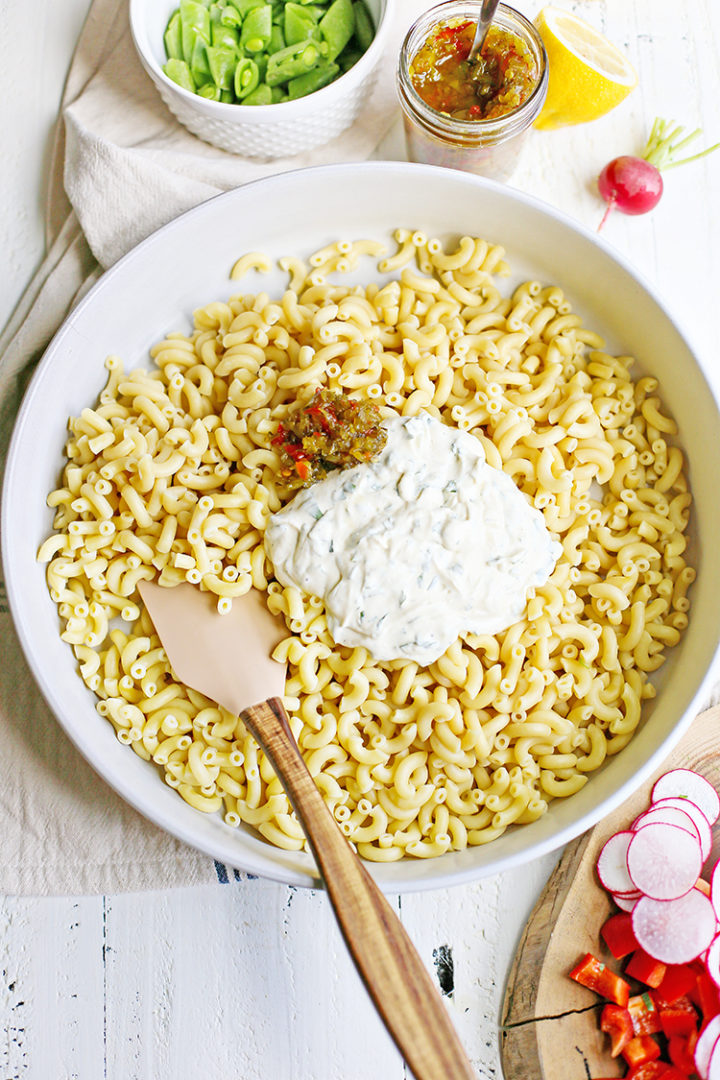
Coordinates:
<point>332,432</point>
<point>498,81</point>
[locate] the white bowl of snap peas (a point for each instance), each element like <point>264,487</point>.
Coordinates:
<point>262,78</point>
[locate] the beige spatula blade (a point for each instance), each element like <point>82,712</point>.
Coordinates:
<point>226,657</point>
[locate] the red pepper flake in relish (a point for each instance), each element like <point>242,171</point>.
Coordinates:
<point>495,83</point>
<point>332,432</point>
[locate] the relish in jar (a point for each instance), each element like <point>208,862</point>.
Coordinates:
<point>496,82</point>
<point>470,115</point>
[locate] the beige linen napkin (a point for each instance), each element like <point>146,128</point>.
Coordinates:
<point>122,167</point>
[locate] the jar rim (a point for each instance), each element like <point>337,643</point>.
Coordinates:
<point>505,125</point>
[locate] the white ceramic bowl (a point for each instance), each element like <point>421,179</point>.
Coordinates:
<point>156,287</point>
<point>260,131</point>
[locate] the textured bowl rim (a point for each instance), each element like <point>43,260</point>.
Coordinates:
<point>239,113</point>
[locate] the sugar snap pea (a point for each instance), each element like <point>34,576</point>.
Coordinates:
<point>179,72</point>
<point>320,76</point>
<point>256,29</point>
<point>364,29</point>
<point>291,61</point>
<point>222,63</point>
<point>261,95</point>
<point>337,26</point>
<point>247,77</point>
<point>173,38</point>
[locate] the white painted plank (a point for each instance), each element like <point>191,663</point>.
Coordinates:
<point>256,970</point>
<point>51,988</point>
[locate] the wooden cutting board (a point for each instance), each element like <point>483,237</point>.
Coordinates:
<point>550,1024</point>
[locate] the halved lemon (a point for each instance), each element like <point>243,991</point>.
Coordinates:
<point>587,75</point>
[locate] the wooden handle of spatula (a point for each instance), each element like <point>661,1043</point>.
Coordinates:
<point>396,978</point>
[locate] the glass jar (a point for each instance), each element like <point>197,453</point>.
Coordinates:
<point>486,147</point>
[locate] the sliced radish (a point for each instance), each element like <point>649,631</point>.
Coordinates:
<point>626,901</point>
<point>674,931</point>
<point>669,816</point>
<point>689,808</point>
<point>712,960</point>
<point>612,864</point>
<point>715,888</point>
<point>713,1072</point>
<point>705,1046</point>
<point>686,784</point>
<point>664,861</point>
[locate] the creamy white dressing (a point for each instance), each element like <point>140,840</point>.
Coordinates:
<point>408,551</point>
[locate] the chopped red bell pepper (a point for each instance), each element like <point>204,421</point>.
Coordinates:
<point>618,935</point>
<point>302,467</point>
<point>650,1070</point>
<point>681,1051</point>
<point>645,968</point>
<point>617,1023</point>
<point>678,980</point>
<point>708,998</point>
<point>295,451</point>
<point>680,1018</point>
<point>640,1050</point>
<point>592,973</point>
<point>644,1015</point>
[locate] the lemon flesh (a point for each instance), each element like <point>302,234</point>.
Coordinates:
<point>587,75</point>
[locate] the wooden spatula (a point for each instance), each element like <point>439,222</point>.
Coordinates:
<point>227,657</point>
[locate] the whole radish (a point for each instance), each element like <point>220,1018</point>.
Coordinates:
<point>634,185</point>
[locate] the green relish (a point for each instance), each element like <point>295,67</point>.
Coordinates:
<point>499,80</point>
<point>332,431</point>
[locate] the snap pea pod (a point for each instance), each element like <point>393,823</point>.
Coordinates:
<point>337,26</point>
<point>230,16</point>
<point>244,6</point>
<point>194,25</point>
<point>200,63</point>
<point>173,38</point>
<point>313,80</point>
<point>261,95</point>
<point>277,39</point>
<point>247,77</point>
<point>298,23</point>
<point>364,29</point>
<point>224,36</point>
<point>209,91</point>
<point>291,61</point>
<point>348,58</point>
<point>222,64</point>
<point>179,72</point>
<point>257,29</point>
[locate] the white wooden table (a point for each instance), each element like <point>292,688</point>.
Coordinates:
<point>251,981</point>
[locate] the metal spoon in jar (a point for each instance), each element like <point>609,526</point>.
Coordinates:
<point>486,16</point>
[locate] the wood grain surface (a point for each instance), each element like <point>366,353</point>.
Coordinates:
<point>550,1027</point>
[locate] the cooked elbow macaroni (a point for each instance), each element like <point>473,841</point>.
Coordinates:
<point>173,475</point>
